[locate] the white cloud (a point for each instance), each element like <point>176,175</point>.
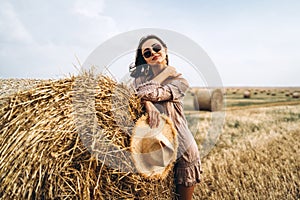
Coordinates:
<point>90,9</point>
<point>94,25</point>
<point>11,28</point>
<point>40,42</point>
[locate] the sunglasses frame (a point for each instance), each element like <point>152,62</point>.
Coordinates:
<point>155,47</point>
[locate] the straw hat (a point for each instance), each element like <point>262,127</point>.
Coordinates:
<point>154,150</point>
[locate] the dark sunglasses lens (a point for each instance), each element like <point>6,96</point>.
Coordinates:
<point>147,54</point>
<point>156,48</point>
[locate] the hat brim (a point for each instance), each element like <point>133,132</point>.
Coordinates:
<point>154,150</point>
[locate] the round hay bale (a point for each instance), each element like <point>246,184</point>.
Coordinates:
<point>208,100</point>
<point>296,95</point>
<point>69,139</point>
<point>247,94</point>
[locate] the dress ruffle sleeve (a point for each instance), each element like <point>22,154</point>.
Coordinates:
<point>155,92</point>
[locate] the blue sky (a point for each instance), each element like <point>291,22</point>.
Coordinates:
<point>252,43</point>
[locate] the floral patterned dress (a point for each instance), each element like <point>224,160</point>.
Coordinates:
<point>168,99</point>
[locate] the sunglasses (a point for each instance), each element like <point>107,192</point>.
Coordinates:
<point>148,53</point>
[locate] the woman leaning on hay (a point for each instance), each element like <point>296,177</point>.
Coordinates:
<point>162,90</point>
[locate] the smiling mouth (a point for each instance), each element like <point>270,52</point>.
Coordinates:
<point>155,57</point>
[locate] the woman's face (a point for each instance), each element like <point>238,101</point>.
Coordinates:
<point>154,53</point>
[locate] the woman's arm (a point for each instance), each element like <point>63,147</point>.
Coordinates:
<point>155,92</point>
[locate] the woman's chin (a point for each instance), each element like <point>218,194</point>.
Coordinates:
<point>157,62</point>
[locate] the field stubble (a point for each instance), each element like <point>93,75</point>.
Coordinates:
<point>255,157</point>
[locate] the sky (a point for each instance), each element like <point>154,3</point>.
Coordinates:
<point>251,43</point>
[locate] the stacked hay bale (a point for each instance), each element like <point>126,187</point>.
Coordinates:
<point>69,139</point>
<point>208,99</point>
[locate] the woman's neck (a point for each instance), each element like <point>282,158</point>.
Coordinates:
<point>156,69</point>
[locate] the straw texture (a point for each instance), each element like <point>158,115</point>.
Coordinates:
<point>69,139</point>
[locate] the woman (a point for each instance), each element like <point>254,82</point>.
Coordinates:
<point>162,90</point>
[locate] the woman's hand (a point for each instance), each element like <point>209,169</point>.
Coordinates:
<point>169,71</point>
<point>153,114</point>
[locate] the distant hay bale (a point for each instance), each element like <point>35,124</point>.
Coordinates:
<point>69,139</point>
<point>208,99</point>
<point>296,95</point>
<point>247,94</point>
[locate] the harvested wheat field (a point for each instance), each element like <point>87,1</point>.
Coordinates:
<point>257,153</point>
<point>69,139</point>
<point>256,156</point>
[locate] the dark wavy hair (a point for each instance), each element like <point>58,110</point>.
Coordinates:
<point>140,66</point>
